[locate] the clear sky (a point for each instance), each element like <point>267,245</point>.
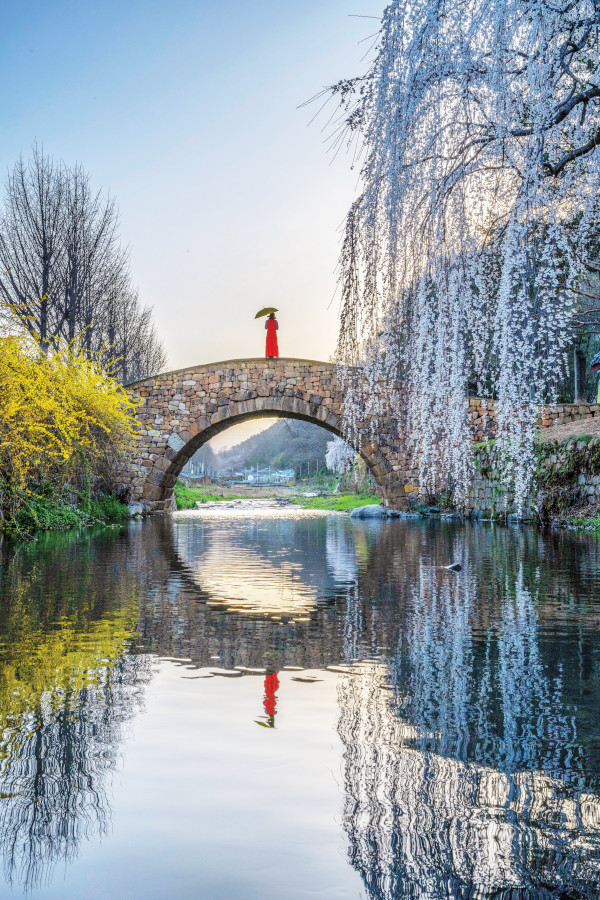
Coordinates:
<point>187,112</point>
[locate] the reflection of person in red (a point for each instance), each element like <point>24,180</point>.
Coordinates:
<point>272,326</point>
<point>270,701</point>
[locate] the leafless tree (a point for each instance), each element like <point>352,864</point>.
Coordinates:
<point>32,245</point>
<point>64,272</point>
<point>94,260</point>
<point>135,343</point>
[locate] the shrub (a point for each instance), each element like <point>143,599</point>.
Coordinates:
<point>65,423</point>
<point>108,508</point>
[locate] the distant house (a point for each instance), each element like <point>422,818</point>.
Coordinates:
<point>265,476</point>
<point>283,476</point>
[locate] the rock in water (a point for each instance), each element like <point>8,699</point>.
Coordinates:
<point>137,509</point>
<point>371,511</point>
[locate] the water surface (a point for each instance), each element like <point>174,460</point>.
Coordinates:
<point>294,705</point>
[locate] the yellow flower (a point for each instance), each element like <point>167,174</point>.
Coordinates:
<point>61,413</point>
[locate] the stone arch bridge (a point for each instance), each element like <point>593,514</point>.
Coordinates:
<point>182,410</point>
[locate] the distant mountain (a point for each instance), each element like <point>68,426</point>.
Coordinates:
<point>288,444</point>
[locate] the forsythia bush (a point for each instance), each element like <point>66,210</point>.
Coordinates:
<point>63,422</point>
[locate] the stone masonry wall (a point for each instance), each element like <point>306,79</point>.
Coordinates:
<point>482,422</point>
<point>567,477</point>
<point>482,416</point>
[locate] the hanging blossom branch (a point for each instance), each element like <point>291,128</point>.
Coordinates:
<point>479,126</point>
<point>339,456</point>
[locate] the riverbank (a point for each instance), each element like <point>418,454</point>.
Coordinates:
<point>190,497</point>
<point>565,489</point>
<point>52,510</point>
<point>337,502</point>
<point>66,425</point>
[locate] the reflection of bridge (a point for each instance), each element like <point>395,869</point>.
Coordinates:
<point>182,410</point>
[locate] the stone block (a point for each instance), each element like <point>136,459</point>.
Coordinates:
<point>151,492</point>
<point>162,463</point>
<point>175,442</point>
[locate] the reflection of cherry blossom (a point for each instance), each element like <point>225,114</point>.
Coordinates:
<point>340,551</point>
<point>463,771</point>
<point>422,825</point>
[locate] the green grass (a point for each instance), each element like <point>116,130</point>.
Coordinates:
<point>337,502</point>
<point>589,523</point>
<point>107,508</point>
<point>188,497</point>
<point>54,510</point>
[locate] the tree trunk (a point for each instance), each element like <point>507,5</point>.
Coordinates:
<point>579,373</point>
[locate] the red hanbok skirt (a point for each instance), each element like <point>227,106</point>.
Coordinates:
<point>272,348</point>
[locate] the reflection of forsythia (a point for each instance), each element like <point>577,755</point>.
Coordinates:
<point>44,669</point>
<point>56,411</point>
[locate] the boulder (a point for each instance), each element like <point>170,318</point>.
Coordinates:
<point>371,511</point>
<point>137,509</point>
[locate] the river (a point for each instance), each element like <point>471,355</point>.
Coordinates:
<point>242,705</point>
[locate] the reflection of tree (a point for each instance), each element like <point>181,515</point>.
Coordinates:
<point>67,688</point>
<point>56,767</point>
<point>465,765</point>
<point>424,825</point>
<point>471,754</point>
<point>340,551</point>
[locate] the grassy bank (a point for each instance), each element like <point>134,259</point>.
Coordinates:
<point>52,510</point>
<point>337,502</point>
<point>586,523</point>
<point>188,497</point>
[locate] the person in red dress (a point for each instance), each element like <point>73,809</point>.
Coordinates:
<point>272,326</point>
<point>270,701</point>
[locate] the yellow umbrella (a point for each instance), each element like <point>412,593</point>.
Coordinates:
<point>266,311</point>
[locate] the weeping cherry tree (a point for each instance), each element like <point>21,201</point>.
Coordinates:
<point>478,127</point>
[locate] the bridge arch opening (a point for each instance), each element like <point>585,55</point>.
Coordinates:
<point>182,447</point>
